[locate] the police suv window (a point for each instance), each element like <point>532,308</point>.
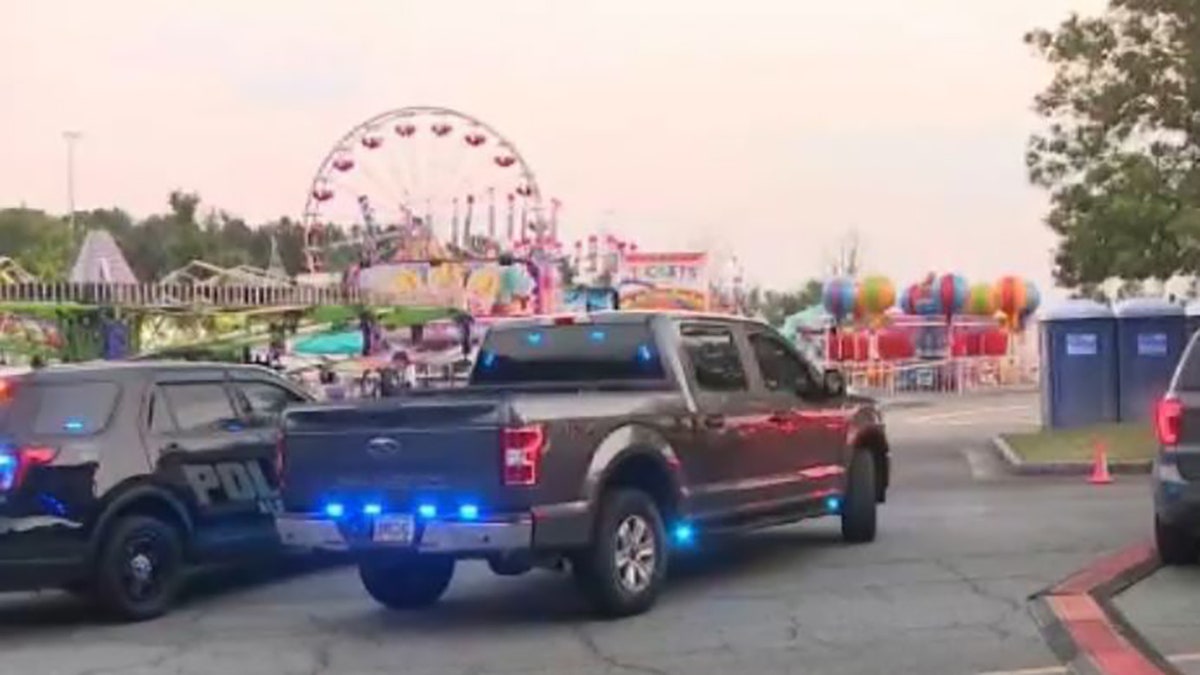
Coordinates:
<point>79,408</point>
<point>1189,370</point>
<point>199,406</point>
<point>714,357</point>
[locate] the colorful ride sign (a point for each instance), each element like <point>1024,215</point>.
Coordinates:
<point>665,281</point>
<point>481,288</point>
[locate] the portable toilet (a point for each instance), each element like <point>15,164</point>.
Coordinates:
<point>1151,335</point>
<point>1192,317</point>
<point>1078,351</point>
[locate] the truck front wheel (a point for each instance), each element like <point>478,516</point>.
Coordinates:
<point>859,505</point>
<point>406,582</point>
<point>623,570</point>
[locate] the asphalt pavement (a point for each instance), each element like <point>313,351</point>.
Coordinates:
<point>943,590</point>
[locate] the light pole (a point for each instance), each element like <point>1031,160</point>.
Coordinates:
<point>71,137</point>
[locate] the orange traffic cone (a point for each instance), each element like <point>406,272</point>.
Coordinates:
<point>1100,474</point>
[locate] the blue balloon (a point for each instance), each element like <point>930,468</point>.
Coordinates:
<point>838,298</point>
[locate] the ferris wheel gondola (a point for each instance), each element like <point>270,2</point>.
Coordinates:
<point>422,173</point>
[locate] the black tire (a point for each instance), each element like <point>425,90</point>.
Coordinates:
<point>140,568</point>
<point>407,581</point>
<point>860,504</point>
<point>1175,546</point>
<point>617,583</point>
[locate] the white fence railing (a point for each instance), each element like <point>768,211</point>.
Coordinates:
<point>951,376</point>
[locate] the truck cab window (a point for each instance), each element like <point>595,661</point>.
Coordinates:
<point>782,371</point>
<point>266,400</point>
<point>714,356</point>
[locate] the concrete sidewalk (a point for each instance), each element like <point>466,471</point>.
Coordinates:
<point>1163,608</point>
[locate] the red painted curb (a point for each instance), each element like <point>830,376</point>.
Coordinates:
<point>1074,604</point>
<point>1106,570</point>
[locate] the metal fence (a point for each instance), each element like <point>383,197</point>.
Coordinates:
<point>947,376</point>
<point>187,295</point>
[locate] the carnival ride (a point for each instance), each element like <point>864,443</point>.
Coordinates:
<point>937,333</point>
<point>413,183</point>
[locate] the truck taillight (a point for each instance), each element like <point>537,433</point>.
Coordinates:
<point>522,448</point>
<point>16,463</point>
<point>1168,420</point>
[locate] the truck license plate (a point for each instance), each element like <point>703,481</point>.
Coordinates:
<point>394,529</point>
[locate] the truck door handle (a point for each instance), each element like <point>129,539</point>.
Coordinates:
<point>714,421</point>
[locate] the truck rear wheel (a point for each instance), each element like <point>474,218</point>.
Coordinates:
<point>1175,547</point>
<point>859,506</point>
<point>406,582</point>
<point>139,570</point>
<point>623,570</point>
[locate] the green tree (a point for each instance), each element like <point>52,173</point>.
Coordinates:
<point>42,244</point>
<point>1120,150</point>
<point>775,306</point>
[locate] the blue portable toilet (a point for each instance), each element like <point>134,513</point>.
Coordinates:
<point>1151,335</point>
<point>1192,318</point>
<point>1078,351</point>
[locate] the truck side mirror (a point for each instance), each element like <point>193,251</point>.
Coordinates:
<point>835,383</point>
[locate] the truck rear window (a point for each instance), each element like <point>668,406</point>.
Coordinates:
<point>575,353</point>
<point>76,408</point>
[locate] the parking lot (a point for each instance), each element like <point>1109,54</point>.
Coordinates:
<point>943,590</point>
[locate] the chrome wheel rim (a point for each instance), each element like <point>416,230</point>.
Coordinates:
<point>142,571</point>
<point>635,554</point>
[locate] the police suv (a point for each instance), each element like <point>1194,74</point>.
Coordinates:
<point>116,478</point>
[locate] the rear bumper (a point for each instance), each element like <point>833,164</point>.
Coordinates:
<point>552,528</point>
<point>1176,499</point>
<point>31,574</point>
<point>40,553</point>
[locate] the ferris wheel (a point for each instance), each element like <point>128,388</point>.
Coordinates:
<point>420,174</point>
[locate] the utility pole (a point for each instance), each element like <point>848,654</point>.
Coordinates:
<point>71,138</point>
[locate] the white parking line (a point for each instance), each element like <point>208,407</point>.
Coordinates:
<point>1176,659</point>
<point>971,412</point>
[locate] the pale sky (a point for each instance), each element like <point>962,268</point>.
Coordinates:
<point>764,127</point>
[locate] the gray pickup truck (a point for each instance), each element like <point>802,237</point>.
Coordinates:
<point>598,442</point>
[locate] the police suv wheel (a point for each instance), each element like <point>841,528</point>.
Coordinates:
<point>406,582</point>
<point>139,570</point>
<point>859,506</point>
<point>623,571</point>
<point>1175,547</point>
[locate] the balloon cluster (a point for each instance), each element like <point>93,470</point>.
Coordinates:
<point>940,295</point>
<point>944,295</point>
<point>869,299</point>
<point>1015,299</point>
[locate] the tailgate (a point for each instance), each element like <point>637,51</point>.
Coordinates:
<point>397,453</point>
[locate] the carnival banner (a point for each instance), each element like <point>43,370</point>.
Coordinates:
<point>665,281</point>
